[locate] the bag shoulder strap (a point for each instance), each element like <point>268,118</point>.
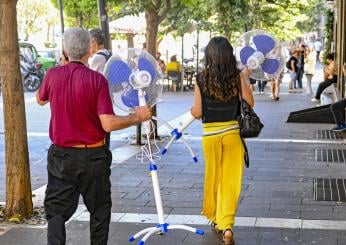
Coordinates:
<point>240,95</point>
<point>102,53</point>
<point>246,154</point>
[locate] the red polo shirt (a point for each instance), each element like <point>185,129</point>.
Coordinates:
<point>77,96</point>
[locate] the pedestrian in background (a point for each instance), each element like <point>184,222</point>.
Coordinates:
<point>275,86</point>
<point>300,68</point>
<point>161,62</point>
<point>218,87</point>
<point>338,111</point>
<point>261,85</point>
<point>292,66</point>
<point>309,70</point>
<point>98,59</point>
<point>318,48</point>
<point>173,70</point>
<point>78,161</point>
<point>330,77</point>
<point>99,54</point>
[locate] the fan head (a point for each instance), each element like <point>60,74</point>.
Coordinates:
<point>261,53</point>
<point>129,70</point>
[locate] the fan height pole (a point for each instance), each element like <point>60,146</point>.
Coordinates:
<point>153,168</point>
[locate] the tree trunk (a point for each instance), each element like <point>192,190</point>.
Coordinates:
<point>18,187</point>
<point>80,20</point>
<point>153,22</point>
<point>130,42</point>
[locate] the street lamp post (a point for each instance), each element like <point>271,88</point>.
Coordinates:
<point>61,16</point>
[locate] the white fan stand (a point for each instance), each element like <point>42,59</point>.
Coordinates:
<point>162,226</point>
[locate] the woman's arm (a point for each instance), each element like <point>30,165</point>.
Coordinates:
<point>293,68</point>
<point>246,91</point>
<point>196,109</point>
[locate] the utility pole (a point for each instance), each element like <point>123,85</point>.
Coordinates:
<point>103,22</point>
<point>182,63</point>
<point>197,48</point>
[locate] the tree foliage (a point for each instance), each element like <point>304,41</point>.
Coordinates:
<point>279,17</point>
<point>185,17</point>
<point>30,14</point>
<point>82,13</point>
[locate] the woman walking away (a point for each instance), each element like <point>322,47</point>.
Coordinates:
<point>217,103</point>
<point>275,87</point>
<point>310,68</point>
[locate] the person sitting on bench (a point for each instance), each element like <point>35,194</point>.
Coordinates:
<point>330,77</point>
<point>338,111</point>
<point>173,72</point>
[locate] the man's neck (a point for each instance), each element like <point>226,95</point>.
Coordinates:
<point>83,60</point>
<point>100,47</point>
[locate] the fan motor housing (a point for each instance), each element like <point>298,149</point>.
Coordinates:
<point>140,79</point>
<point>255,60</point>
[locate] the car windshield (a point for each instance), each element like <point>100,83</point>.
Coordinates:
<point>45,54</point>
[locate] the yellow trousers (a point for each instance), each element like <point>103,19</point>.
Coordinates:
<point>224,161</point>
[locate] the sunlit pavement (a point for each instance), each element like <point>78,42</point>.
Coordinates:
<point>277,203</point>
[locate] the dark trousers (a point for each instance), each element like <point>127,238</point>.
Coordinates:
<point>75,171</point>
<point>300,73</point>
<point>261,85</point>
<point>108,140</point>
<point>338,110</point>
<point>323,85</point>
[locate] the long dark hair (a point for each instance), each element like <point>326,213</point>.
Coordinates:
<point>220,77</point>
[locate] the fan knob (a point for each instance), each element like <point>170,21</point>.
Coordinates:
<point>255,60</point>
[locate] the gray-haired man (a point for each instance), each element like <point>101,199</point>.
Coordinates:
<point>78,160</point>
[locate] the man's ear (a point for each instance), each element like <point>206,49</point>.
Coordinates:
<point>65,54</point>
<point>91,50</point>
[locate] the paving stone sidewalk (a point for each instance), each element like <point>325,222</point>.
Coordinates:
<point>279,184</point>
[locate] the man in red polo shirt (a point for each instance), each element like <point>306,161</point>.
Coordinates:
<point>78,161</point>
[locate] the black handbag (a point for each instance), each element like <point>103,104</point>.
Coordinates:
<point>250,125</point>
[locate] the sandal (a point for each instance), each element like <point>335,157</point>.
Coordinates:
<point>214,226</point>
<point>228,239</point>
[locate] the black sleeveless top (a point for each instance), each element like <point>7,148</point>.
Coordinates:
<point>218,111</point>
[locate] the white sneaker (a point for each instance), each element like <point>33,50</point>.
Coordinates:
<point>315,100</point>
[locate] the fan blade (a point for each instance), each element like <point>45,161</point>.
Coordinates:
<point>245,53</point>
<point>130,98</point>
<point>118,72</point>
<point>270,66</point>
<point>264,43</point>
<point>145,65</point>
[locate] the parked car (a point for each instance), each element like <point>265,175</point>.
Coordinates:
<point>48,58</point>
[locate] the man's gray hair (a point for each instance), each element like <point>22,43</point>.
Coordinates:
<point>76,42</point>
